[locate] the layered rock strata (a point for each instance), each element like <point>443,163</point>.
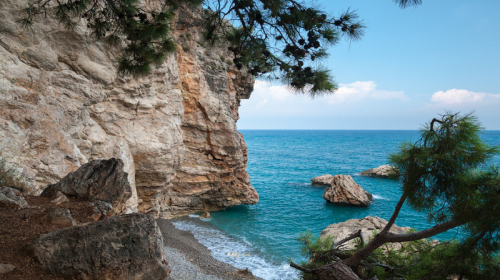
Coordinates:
<point>344,191</point>
<point>62,104</point>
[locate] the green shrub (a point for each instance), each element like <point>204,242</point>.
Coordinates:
<point>188,35</point>
<point>229,62</point>
<point>186,47</point>
<point>223,58</point>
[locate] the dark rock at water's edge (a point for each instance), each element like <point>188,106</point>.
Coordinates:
<point>384,171</point>
<point>98,180</point>
<point>344,191</point>
<point>118,248</point>
<point>323,180</point>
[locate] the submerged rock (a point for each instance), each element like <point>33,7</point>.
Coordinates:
<point>323,180</point>
<point>6,268</point>
<point>121,247</point>
<point>369,226</point>
<point>384,171</point>
<point>10,197</point>
<point>98,180</point>
<point>344,191</point>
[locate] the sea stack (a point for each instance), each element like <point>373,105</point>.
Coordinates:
<point>344,191</point>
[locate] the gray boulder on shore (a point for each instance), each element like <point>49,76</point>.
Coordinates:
<point>384,171</point>
<point>126,247</point>
<point>98,180</point>
<point>344,191</point>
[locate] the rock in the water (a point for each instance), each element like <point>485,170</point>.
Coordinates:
<point>10,197</point>
<point>205,215</point>
<point>121,247</point>
<point>325,180</point>
<point>6,268</point>
<point>344,191</point>
<point>58,216</point>
<point>103,180</point>
<point>384,171</point>
<point>60,198</point>
<point>369,226</point>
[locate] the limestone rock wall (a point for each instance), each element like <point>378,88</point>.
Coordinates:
<point>63,104</point>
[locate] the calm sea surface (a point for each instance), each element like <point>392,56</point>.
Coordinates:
<point>281,164</point>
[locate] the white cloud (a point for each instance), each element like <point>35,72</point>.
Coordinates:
<point>456,96</point>
<point>352,92</point>
<point>362,90</point>
<point>262,103</point>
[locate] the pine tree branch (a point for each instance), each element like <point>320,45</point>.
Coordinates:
<point>301,268</point>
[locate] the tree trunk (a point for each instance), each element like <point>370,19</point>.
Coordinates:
<point>336,271</point>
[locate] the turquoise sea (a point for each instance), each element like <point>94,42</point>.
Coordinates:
<point>262,237</point>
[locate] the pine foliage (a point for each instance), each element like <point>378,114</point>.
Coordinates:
<point>274,39</point>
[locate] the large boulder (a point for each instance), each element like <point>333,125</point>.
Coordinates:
<point>323,180</point>
<point>344,191</point>
<point>123,247</point>
<point>98,180</point>
<point>384,171</point>
<point>369,226</point>
<point>10,197</point>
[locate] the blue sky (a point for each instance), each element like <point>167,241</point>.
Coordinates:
<point>411,65</point>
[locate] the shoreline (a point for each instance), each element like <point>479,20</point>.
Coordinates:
<point>189,259</point>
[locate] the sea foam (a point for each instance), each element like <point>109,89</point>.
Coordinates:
<point>238,253</point>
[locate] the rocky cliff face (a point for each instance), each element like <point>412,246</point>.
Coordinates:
<point>63,104</point>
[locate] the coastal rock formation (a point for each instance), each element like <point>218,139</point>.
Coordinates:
<point>344,191</point>
<point>63,104</point>
<point>10,197</point>
<point>98,180</point>
<point>324,180</point>
<point>384,171</point>
<point>369,226</point>
<point>120,247</point>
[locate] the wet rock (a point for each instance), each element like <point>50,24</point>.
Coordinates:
<point>6,268</point>
<point>117,248</point>
<point>98,180</point>
<point>324,180</point>
<point>369,226</point>
<point>384,171</point>
<point>205,215</point>
<point>58,216</point>
<point>11,198</point>
<point>344,191</point>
